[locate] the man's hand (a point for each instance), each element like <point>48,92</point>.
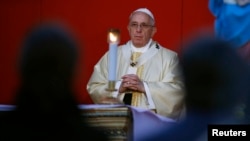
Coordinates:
<point>131,82</point>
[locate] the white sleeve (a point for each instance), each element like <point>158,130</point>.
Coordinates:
<point>149,97</point>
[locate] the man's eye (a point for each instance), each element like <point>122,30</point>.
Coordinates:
<point>134,25</point>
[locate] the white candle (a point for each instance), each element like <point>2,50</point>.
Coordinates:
<point>113,39</point>
<point>112,61</point>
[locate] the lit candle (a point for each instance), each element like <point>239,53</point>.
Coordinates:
<point>113,39</point>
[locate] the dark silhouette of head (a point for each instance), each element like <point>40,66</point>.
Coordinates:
<point>215,75</point>
<point>216,80</point>
<point>46,106</point>
<point>47,67</point>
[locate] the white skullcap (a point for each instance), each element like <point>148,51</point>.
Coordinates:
<point>146,11</point>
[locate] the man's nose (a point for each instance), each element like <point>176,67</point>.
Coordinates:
<point>139,28</point>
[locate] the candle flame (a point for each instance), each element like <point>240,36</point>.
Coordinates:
<point>112,37</point>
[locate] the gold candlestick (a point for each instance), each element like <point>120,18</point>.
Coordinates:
<point>111,86</point>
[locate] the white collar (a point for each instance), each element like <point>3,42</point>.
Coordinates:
<point>141,49</point>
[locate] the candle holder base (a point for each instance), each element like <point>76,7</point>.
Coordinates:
<point>111,87</point>
<point>109,98</point>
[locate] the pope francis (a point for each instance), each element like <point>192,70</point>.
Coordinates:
<point>148,75</point>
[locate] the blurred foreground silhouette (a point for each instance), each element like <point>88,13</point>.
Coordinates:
<point>46,108</point>
<point>216,80</point>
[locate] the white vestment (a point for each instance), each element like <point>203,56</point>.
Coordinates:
<point>161,76</point>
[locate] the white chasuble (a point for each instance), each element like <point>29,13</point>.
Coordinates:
<point>158,68</point>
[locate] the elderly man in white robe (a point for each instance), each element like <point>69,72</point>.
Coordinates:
<point>148,75</point>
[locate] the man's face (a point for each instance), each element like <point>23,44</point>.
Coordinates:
<point>140,29</point>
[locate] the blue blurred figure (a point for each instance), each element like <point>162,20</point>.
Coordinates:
<point>232,23</point>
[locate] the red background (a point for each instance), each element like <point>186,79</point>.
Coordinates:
<point>89,20</point>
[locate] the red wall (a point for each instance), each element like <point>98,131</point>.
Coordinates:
<point>89,21</point>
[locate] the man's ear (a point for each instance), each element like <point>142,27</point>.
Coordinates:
<point>154,31</point>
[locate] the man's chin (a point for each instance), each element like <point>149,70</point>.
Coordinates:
<point>138,44</point>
